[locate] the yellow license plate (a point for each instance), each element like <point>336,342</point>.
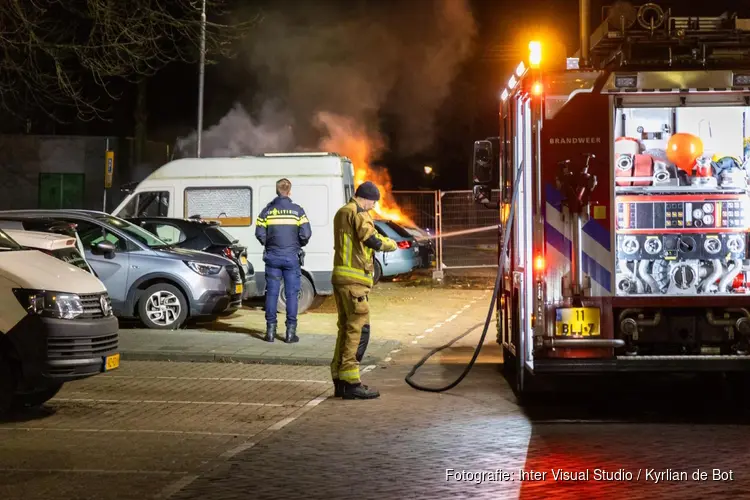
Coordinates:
<point>111,362</point>
<point>237,288</point>
<point>578,321</point>
<point>243,259</point>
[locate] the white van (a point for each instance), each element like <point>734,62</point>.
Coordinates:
<point>56,324</point>
<point>233,191</point>
<point>64,248</point>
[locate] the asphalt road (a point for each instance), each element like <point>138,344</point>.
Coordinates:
<point>225,431</point>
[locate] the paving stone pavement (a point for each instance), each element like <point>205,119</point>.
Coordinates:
<point>399,313</point>
<point>209,346</point>
<point>403,444</point>
<point>138,431</point>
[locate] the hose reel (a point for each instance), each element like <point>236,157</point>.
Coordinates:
<point>651,16</point>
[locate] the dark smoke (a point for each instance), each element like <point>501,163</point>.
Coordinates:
<point>347,64</point>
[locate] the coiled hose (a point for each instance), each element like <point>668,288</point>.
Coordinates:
<point>488,320</point>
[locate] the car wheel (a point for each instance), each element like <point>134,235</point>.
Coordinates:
<point>7,384</point>
<point>306,296</point>
<point>378,273</point>
<point>162,307</point>
<point>37,398</point>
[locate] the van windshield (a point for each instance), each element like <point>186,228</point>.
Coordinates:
<point>72,256</point>
<point>137,233</point>
<point>8,243</point>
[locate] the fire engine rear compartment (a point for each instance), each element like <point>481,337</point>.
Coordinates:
<point>680,222</point>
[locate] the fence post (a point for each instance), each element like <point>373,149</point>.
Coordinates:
<point>438,273</point>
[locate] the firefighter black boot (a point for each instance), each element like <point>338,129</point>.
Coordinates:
<point>338,388</point>
<point>359,391</point>
<point>291,334</point>
<point>270,332</point>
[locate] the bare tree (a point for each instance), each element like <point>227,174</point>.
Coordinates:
<point>54,49</point>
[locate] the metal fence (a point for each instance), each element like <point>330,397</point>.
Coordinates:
<point>467,233</point>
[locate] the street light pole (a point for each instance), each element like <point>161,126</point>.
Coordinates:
<point>202,72</point>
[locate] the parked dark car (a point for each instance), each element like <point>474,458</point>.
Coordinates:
<point>198,234</point>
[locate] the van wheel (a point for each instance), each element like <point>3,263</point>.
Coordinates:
<point>34,399</point>
<point>7,384</point>
<point>306,296</point>
<point>162,307</point>
<point>378,273</point>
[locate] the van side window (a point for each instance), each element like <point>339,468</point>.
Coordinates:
<point>147,204</point>
<point>231,206</point>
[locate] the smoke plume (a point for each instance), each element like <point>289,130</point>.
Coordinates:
<point>339,71</point>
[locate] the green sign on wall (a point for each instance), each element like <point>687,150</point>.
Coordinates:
<point>61,190</point>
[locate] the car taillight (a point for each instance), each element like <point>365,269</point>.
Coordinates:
<point>404,244</point>
<point>228,253</point>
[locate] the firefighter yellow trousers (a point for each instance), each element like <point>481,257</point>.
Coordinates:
<point>353,304</point>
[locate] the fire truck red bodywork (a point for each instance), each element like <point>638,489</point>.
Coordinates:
<point>576,114</point>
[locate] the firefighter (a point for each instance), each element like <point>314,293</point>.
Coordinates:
<point>355,241</point>
<point>283,229</point>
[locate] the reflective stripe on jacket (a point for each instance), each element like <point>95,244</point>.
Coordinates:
<point>282,227</point>
<point>355,241</point>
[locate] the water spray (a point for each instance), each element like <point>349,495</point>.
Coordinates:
<point>461,232</point>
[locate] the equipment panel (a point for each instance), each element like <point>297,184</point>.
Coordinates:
<point>681,215</point>
<point>677,213</point>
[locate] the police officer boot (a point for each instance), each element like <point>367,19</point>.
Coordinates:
<point>291,334</point>
<point>270,332</point>
<point>359,391</point>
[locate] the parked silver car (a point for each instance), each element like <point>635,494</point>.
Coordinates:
<point>146,278</point>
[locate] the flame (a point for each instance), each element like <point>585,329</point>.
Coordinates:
<point>348,139</point>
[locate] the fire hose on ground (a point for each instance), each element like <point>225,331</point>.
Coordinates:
<point>488,320</point>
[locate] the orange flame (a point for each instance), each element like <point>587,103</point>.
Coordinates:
<point>347,139</point>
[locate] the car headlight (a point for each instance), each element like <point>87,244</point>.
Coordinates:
<point>50,304</point>
<point>203,269</point>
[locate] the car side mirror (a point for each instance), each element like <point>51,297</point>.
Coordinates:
<point>105,248</point>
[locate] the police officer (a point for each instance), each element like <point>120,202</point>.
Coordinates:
<point>283,229</point>
<point>355,241</point>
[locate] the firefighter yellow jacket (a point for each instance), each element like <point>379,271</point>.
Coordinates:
<point>355,241</point>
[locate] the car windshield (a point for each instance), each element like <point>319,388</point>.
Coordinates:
<point>72,256</point>
<point>134,231</point>
<point>8,243</point>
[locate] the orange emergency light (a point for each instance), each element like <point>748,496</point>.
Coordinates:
<point>535,54</point>
<point>539,264</point>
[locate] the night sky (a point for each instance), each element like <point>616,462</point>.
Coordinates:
<point>469,113</point>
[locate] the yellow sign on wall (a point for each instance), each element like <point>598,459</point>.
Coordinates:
<point>109,168</point>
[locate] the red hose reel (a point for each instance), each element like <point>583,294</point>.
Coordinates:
<point>629,166</point>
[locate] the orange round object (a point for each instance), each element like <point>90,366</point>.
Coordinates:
<point>683,149</point>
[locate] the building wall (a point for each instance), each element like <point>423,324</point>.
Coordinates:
<point>24,157</point>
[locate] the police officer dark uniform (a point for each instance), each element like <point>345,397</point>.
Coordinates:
<point>283,229</point>
<point>355,241</point>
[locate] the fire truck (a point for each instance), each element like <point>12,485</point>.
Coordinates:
<point>623,176</point>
